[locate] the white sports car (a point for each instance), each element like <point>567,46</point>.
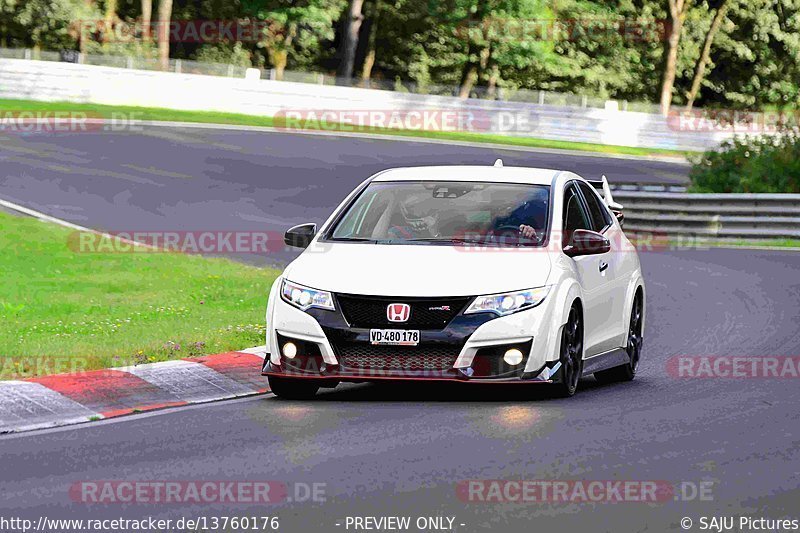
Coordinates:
<point>471,274</point>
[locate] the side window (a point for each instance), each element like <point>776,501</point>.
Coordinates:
<point>601,219</point>
<point>574,215</point>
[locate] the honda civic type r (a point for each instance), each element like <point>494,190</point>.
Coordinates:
<point>473,274</point>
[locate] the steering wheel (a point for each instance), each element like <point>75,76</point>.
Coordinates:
<point>502,227</point>
<point>499,232</point>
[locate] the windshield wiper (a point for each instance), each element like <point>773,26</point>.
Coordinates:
<point>461,240</point>
<point>353,239</point>
<point>451,240</point>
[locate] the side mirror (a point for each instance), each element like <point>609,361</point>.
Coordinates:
<point>300,236</point>
<point>620,217</point>
<point>585,242</point>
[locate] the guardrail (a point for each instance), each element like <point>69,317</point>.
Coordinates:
<point>714,216</point>
<point>647,187</point>
<point>51,81</point>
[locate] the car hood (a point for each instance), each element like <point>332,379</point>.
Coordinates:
<point>418,270</point>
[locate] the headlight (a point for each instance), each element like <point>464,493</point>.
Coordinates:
<point>508,302</point>
<point>306,297</point>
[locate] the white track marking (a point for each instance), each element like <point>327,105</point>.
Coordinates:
<point>190,382</point>
<point>27,405</point>
<point>47,218</point>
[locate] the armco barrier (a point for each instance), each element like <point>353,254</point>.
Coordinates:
<point>716,216</point>
<point>51,81</point>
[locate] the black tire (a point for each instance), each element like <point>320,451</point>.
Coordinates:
<point>627,371</point>
<point>571,354</point>
<point>293,388</point>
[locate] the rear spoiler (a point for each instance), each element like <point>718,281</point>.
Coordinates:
<point>605,192</point>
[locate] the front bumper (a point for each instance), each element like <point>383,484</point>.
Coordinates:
<point>475,343</point>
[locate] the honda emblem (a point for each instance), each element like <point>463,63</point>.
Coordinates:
<point>398,312</point>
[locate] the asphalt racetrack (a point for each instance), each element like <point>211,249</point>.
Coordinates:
<point>727,446</point>
<point>178,179</point>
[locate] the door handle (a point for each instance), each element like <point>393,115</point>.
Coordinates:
<point>603,266</point>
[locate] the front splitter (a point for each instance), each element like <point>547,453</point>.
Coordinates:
<point>454,375</point>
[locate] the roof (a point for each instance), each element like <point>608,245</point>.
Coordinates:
<point>534,176</point>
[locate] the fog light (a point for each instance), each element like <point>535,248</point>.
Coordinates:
<point>290,350</point>
<point>513,357</point>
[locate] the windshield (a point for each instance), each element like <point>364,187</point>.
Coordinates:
<point>446,212</point>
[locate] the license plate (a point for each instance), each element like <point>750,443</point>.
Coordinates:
<point>396,337</point>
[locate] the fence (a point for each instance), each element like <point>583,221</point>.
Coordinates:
<point>714,216</point>
<point>179,66</point>
<point>63,81</point>
<point>185,66</point>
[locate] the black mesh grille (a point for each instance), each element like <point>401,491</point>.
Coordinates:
<point>428,313</point>
<point>363,355</point>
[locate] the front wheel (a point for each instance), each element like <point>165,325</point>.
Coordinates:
<point>571,356</point>
<point>627,371</point>
<point>293,388</point>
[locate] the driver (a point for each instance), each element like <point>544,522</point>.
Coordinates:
<point>420,221</point>
<point>521,216</point>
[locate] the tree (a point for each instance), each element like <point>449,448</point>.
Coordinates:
<point>705,55</point>
<point>51,23</point>
<point>478,47</point>
<point>353,20</point>
<point>9,25</point>
<point>294,27</point>
<point>110,19</point>
<point>147,16</point>
<point>757,60</point>
<point>164,19</point>
<point>492,43</point>
<point>372,29</point>
<point>586,47</point>
<point>677,14</point>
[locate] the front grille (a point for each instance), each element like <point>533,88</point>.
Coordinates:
<point>426,313</point>
<point>377,357</point>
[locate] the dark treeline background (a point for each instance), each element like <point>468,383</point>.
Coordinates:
<point>741,54</point>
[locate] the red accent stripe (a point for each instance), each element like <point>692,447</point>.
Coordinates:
<point>364,378</point>
<point>114,393</point>
<point>108,391</point>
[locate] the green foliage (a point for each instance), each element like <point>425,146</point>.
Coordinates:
<point>49,24</point>
<point>296,29</point>
<point>750,165</point>
<point>572,46</point>
<point>757,57</point>
<point>235,54</point>
<point>133,48</point>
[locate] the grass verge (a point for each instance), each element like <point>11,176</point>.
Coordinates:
<point>761,243</point>
<point>214,117</point>
<point>64,311</point>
